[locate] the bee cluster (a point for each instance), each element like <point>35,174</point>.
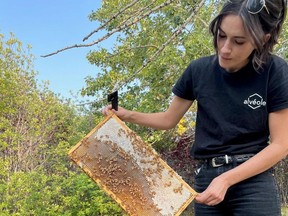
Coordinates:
<point>130,171</point>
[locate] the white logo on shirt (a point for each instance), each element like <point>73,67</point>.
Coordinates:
<point>255,101</point>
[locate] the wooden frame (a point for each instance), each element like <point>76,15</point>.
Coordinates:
<point>130,171</point>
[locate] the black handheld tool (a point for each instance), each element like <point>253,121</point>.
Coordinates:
<point>113,97</point>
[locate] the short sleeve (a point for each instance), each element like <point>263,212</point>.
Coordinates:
<point>278,86</point>
<point>184,86</point>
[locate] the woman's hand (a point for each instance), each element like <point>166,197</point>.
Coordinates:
<point>122,113</point>
<point>215,192</point>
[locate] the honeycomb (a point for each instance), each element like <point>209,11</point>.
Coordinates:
<point>130,171</point>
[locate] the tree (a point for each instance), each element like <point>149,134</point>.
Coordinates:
<point>37,129</point>
<point>155,39</point>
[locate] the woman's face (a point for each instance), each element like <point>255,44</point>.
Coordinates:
<point>233,43</point>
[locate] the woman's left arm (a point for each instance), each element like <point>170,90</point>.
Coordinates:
<point>265,159</point>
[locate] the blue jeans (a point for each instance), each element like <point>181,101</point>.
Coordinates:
<point>256,196</point>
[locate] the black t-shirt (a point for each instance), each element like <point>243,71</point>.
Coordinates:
<point>233,108</point>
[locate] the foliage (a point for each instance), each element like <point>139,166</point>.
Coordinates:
<point>282,47</point>
<point>54,195</point>
<point>150,88</point>
<point>36,131</point>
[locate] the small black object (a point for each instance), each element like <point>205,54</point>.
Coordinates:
<point>113,97</point>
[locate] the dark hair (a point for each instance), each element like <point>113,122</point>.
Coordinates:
<point>257,26</point>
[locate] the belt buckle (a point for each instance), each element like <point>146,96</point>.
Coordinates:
<point>214,164</point>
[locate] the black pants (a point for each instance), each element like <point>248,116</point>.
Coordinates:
<point>257,196</point>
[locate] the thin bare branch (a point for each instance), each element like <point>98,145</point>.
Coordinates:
<point>203,22</point>
<point>137,12</point>
<point>133,48</point>
<point>118,29</point>
<point>112,18</point>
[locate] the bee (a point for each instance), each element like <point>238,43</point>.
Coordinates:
<point>168,184</point>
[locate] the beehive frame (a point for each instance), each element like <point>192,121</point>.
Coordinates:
<point>130,171</point>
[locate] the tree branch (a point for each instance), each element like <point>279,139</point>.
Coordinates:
<point>138,12</point>
<point>112,18</point>
<point>118,29</point>
<point>133,48</point>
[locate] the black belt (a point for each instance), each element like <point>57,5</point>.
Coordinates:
<point>226,159</point>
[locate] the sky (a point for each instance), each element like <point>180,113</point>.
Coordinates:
<point>49,26</point>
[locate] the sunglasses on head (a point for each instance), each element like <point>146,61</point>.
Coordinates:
<point>255,6</point>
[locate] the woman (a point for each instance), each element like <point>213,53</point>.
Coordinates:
<point>242,116</point>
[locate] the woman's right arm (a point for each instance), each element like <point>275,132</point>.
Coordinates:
<point>161,121</point>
